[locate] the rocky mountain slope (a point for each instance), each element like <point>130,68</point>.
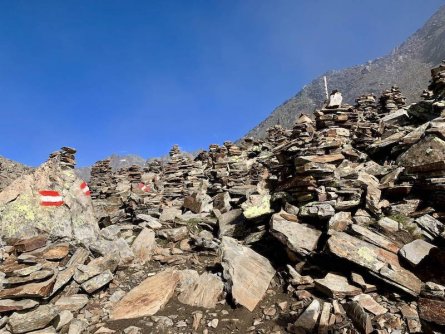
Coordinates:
<point>407,66</point>
<point>10,170</point>
<point>334,226</point>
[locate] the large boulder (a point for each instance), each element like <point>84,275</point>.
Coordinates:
<point>52,200</point>
<point>428,150</point>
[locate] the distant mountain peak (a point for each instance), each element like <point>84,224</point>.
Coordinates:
<point>407,66</point>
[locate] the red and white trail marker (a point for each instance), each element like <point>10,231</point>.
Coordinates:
<point>85,189</point>
<point>143,187</point>
<point>50,198</point>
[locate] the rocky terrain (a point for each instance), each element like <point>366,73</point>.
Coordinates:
<point>10,170</point>
<point>333,226</point>
<point>407,66</point>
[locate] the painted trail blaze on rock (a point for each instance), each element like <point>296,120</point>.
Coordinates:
<point>144,187</point>
<point>50,198</point>
<point>85,189</point>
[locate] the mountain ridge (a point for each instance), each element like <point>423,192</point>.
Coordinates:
<point>407,66</point>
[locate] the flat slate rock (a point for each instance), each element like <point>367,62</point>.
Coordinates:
<point>243,266</point>
<point>98,281</point>
<point>336,286</point>
<point>378,261</point>
<point>33,320</point>
<point>432,310</point>
<point>31,290</point>
<point>297,237</point>
<point>204,291</point>
<point>148,297</point>
<point>369,304</point>
<point>144,245</point>
<point>8,305</point>
<point>416,251</point>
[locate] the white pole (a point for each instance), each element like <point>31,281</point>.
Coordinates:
<point>326,87</point>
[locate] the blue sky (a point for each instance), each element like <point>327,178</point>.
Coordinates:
<point>139,76</point>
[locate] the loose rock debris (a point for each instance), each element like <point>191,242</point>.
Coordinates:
<point>334,226</point>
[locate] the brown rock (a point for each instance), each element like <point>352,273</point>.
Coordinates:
<point>144,245</point>
<point>380,262</point>
<point>30,321</point>
<point>8,305</point>
<point>299,238</point>
<point>336,286</point>
<point>359,317</point>
<point>242,266</point>
<point>432,311</point>
<point>369,304</point>
<point>30,244</point>
<point>31,290</point>
<point>204,291</point>
<point>148,297</point>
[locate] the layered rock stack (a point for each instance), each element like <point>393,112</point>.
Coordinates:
<point>175,172</point>
<point>66,157</point>
<point>102,182</point>
<point>391,100</point>
<point>437,86</point>
<point>367,128</point>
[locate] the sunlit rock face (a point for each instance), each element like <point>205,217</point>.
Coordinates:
<point>50,200</point>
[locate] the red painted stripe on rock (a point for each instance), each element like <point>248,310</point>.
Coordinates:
<point>85,189</point>
<point>49,193</point>
<point>51,203</point>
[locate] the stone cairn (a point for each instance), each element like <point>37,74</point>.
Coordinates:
<point>391,100</point>
<point>66,156</point>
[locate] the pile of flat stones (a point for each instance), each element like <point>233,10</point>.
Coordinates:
<point>333,226</point>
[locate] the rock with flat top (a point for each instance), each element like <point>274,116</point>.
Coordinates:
<point>174,234</point>
<point>369,304</point>
<point>243,266</point>
<point>97,282</point>
<point>144,245</point>
<point>416,251</point>
<point>8,305</point>
<point>432,311</point>
<point>381,263</point>
<point>336,286</point>
<point>72,303</point>
<point>203,291</point>
<point>31,321</point>
<point>299,238</point>
<point>148,297</point>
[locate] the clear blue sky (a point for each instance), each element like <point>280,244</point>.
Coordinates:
<point>123,77</point>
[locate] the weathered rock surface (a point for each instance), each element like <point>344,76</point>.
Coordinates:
<point>242,266</point>
<point>30,321</point>
<point>24,212</point>
<point>416,251</point>
<point>148,297</point>
<point>297,237</point>
<point>204,291</point>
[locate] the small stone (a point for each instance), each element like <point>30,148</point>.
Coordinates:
<point>97,282</point>
<point>174,234</point>
<point>72,303</point>
<point>213,323</point>
<point>336,286</point>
